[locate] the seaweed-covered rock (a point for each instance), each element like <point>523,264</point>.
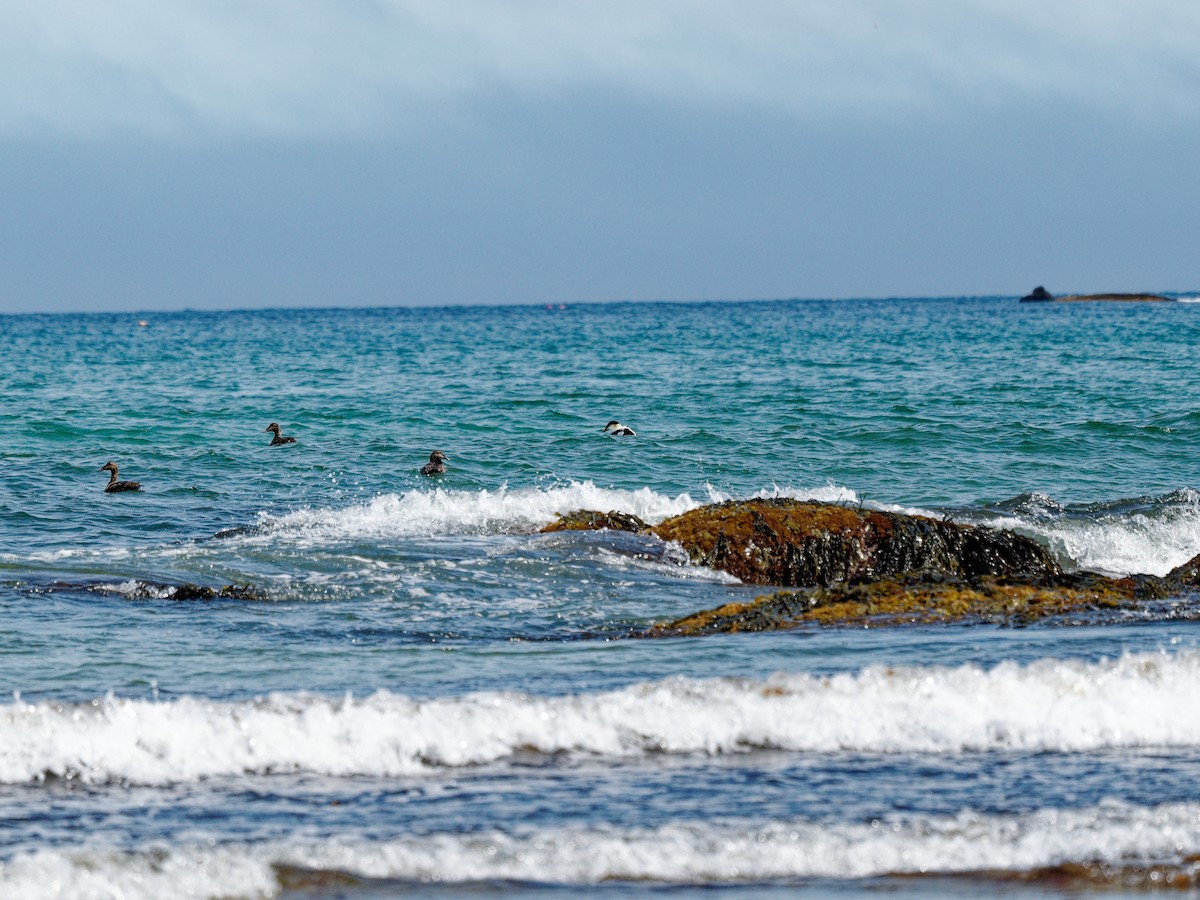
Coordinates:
<point>1187,575</point>
<point>590,520</point>
<point>793,543</point>
<point>1012,601</point>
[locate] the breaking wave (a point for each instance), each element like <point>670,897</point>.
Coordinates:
<point>1144,535</point>
<point>1134,701</point>
<point>424,513</point>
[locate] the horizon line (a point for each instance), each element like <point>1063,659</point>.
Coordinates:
<point>561,304</point>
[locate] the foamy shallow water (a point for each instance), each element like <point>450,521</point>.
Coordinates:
<point>430,695</point>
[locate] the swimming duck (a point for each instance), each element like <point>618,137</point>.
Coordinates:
<point>615,427</point>
<point>279,438</point>
<point>115,486</point>
<point>436,464</point>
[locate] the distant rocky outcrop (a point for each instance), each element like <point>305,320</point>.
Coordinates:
<point>1115,298</point>
<point>1040,295</point>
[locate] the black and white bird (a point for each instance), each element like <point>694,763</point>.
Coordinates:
<point>616,428</point>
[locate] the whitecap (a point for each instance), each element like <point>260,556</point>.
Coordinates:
<point>1136,701</point>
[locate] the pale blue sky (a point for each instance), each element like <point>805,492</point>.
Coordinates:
<point>227,154</point>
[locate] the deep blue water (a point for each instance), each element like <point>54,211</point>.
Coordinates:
<point>431,693</point>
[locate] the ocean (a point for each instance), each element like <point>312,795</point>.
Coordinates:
<point>420,694</point>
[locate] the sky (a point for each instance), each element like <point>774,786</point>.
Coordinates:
<point>221,154</point>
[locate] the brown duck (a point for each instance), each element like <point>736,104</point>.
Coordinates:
<point>436,464</point>
<point>115,486</point>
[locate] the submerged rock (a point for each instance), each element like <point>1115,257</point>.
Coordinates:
<point>589,520</point>
<point>1103,878</point>
<point>1114,298</point>
<point>229,592</point>
<point>153,590</point>
<point>795,543</point>
<point>304,880</point>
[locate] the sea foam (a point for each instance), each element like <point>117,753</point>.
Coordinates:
<point>1135,701</point>
<point>427,513</point>
<point>1147,536</point>
<point>421,513</point>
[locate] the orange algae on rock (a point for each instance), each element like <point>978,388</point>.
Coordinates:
<point>795,543</point>
<point>917,601</point>
<point>988,601</point>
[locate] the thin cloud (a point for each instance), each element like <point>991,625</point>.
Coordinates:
<point>310,68</point>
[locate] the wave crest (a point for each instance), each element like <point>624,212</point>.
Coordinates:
<point>1140,535</point>
<point>1050,705</point>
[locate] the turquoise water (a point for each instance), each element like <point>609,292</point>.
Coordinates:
<point>430,693</point>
